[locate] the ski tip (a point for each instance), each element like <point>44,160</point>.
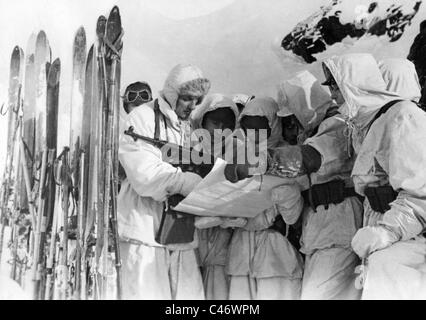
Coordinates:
<point>56,62</point>
<point>54,72</point>
<point>115,11</point>
<point>80,35</point>
<point>114,15</point>
<point>31,43</point>
<point>102,19</point>
<point>79,47</point>
<point>15,59</point>
<point>42,49</point>
<point>114,29</point>
<point>81,31</point>
<point>41,37</point>
<point>16,52</point>
<point>100,26</point>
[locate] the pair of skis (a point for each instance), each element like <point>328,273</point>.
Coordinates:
<point>94,158</point>
<point>30,155</point>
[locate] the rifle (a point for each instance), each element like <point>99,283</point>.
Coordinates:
<point>184,160</point>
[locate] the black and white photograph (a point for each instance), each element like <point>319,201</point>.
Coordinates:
<point>223,151</point>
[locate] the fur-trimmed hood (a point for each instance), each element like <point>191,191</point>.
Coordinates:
<point>184,79</point>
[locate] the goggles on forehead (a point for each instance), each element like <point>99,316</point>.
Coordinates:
<point>132,95</point>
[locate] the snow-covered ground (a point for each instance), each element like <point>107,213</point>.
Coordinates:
<point>235,42</point>
<point>9,289</point>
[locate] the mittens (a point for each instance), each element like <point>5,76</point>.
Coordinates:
<point>370,239</point>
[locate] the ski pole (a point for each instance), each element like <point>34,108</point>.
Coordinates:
<point>114,228</point>
<point>27,183</point>
<point>36,267</point>
<point>62,267</point>
<point>80,260</point>
<point>50,259</point>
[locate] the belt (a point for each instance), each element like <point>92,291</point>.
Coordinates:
<point>380,197</point>
<point>333,192</point>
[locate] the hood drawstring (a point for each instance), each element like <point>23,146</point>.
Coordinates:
<point>349,130</point>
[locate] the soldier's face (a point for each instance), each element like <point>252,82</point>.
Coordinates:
<point>186,104</point>
<point>252,126</point>
<point>291,128</point>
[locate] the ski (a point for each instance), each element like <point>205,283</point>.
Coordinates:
<point>18,219</point>
<point>27,151</point>
<point>102,96</point>
<point>77,154</point>
<point>51,144</point>
<point>94,167</point>
<point>12,112</point>
<point>41,58</point>
<point>114,47</point>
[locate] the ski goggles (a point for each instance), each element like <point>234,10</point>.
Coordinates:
<point>132,95</point>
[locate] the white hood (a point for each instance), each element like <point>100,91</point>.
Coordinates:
<point>362,86</point>
<point>401,77</point>
<point>211,103</point>
<point>304,97</point>
<point>241,98</point>
<point>184,79</point>
<point>265,107</point>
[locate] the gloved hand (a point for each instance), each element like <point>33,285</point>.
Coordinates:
<point>370,239</point>
<point>207,222</point>
<point>289,202</point>
<point>262,221</point>
<point>286,162</point>
<point>233,223</point>
<point>236,172</point>
<point>190,181</point>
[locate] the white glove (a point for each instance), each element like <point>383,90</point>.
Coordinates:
<point>207,222</point>
<point>190,181</point>
<point>289,202</point>
<point>370,239</point>
<point>233,223</point>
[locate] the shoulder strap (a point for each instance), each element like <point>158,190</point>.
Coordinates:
<point>157,119</point>
<point>383,110</point>
<point>157,113</point>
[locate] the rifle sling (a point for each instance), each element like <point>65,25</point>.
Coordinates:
<point>157,113</point>
<point>383,110</point>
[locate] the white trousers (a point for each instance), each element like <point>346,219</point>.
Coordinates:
<point>158,273</point>
<point>329,275</point>
<point>272,288</point>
